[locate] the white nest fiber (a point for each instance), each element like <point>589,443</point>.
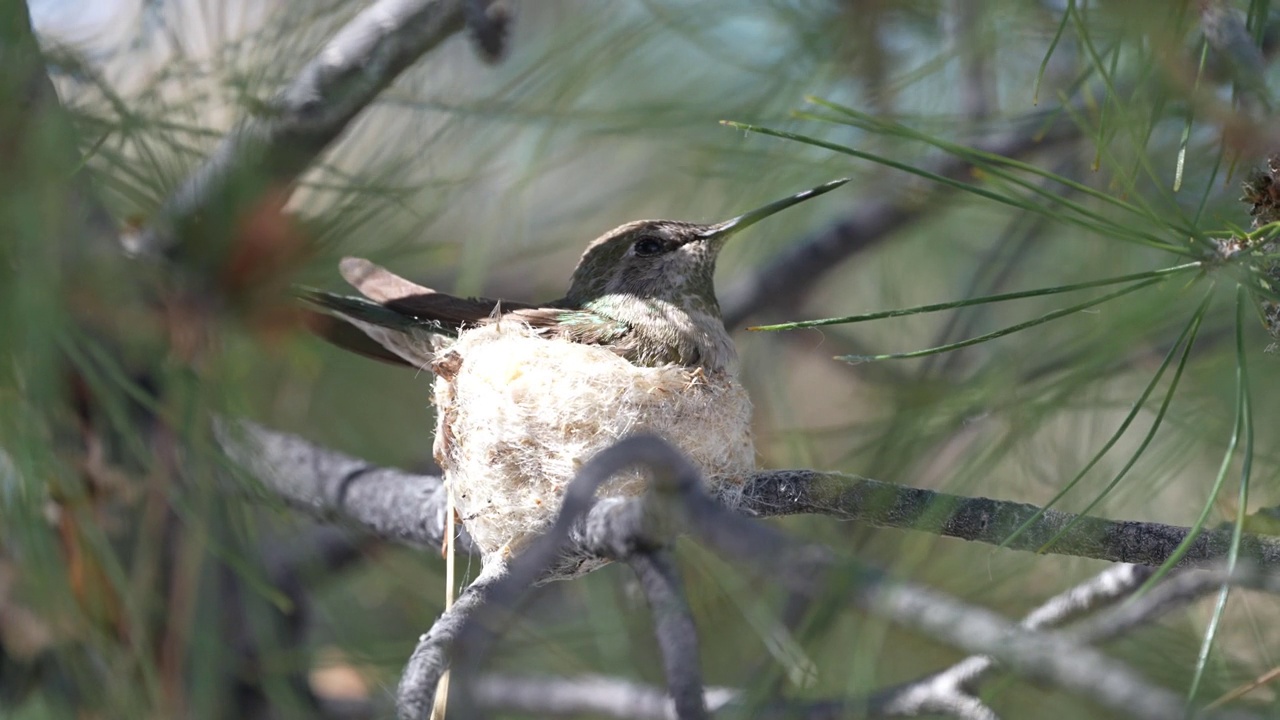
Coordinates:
<point>520,414</point>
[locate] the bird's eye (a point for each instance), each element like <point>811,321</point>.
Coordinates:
<point>649,246</point>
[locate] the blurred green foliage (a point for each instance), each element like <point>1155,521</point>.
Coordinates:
<point>120,536</point>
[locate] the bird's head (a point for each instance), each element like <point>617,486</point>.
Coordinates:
<point>664,259</point>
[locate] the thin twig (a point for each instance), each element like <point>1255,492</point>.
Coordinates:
<point>675,630</point>
<point>949,688</point>
<point>431,657</point>
<point>1176,592</point>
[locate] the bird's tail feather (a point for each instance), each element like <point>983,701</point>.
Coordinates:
<point>367,328</point>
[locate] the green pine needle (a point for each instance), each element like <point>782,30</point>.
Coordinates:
<point>920,309</point>
<point>1048,317</point>
<point>1134,409</point>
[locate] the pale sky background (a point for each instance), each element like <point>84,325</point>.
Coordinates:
<point>83,22</point>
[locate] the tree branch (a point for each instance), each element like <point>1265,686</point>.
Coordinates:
<point>545,696</point>
<point>276,147</point>
<point>676,500</point>
<point>406,507</point>
<point>595,695</point>
<point>881,504</point>
<point>618,528</point>
<point>392,504</point>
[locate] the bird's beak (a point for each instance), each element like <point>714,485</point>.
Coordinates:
<point>722,231</point>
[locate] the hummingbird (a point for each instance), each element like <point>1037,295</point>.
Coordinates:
<point>526,393</point>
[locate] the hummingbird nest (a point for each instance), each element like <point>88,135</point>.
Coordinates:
<point>537,409</point>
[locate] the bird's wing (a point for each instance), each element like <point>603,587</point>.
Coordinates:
<point>408,298</point>
<point>580,326</point>
<point>369,328</point>
<point>376,282</point>
<point>398,316</point>
<point>358,309</point>
<point>348,336</point>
